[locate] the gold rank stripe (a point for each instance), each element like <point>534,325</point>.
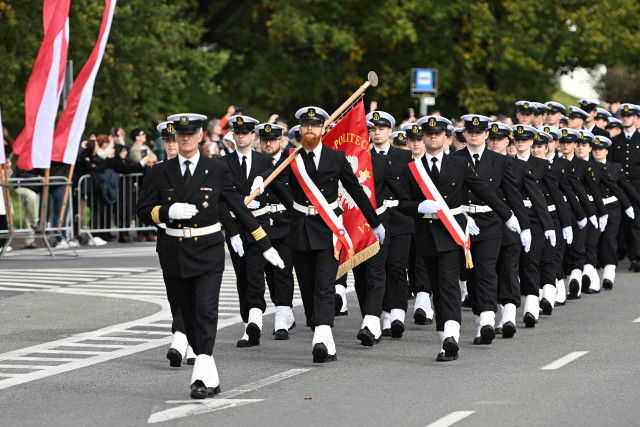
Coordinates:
<point>155,214</point>
<point>258,234</point>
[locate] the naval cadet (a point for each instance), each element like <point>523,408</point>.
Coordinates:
<point>590,106</point>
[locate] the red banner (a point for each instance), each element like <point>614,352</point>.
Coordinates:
<point>351,136</point>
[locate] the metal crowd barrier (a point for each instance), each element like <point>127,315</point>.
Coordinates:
<point>46,227</point>
<point>95,215</point>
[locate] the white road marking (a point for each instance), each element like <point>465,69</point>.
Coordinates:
<point>224,400</point>
<point>451,419</point>
<point>564,360</point>
<point>637,320</point>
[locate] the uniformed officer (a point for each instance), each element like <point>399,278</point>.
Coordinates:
<point>601,121</point>
<point>417,272</point>
<point>313,178</point>
<point>296,135</point>
<point>400,229</point>
<point>185,194</point>
<point>590,106</point>
<point>524,112</point>
<point>244,166</point>
<point>399,139</point>
<point>608,245</point>
<point>555,112</point>
<point>625,150</point>
<point>539,114</point>
<point>451,175</point>
<point>496,172</point>
<point>614,127</point>
<point>279,281</point>
<point>459,142</point>
<point>577,118</point>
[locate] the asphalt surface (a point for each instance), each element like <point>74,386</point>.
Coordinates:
<point>396,382</point>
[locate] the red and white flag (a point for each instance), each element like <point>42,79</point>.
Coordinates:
<point>71,125</point>
<point>351,136</point>
<point>43,89</point>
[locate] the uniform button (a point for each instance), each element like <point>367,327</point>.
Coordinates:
<point>180,239</point>
<point>430,221</point>
<point>453,183</point>
<point>445,197</point>
<point>195,239</point>
<point>195,225</point>
<point>490,179</point>
<point>322,190</point>
<point>168,198</point>
<point>206,197</point>
<point>179,225</point>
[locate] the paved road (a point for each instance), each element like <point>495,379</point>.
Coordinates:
<point>84,341</point>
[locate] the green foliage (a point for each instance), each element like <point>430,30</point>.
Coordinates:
<point>153,56</point>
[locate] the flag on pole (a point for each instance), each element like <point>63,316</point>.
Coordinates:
<point>71,125</point>
<point>351,136</point>
<point>43,89</point>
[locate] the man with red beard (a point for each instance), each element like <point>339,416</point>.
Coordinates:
<point>313,178</point>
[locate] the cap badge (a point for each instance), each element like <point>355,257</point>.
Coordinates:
<point>432,122</point>
<point>520,129</point>
<point>184,121</point>
<point>415,129</point>
<point>170,128</point>
<point>239,121</point>
<point>536,136</point>
<point>585,103</point>
<point>626,108</point>
<point>550,107</point>
<point>400,137</point>
<point>311,112</point>
<point>565,133</point>
<point>511,134</point>
<point>475,121</point>
<point>267,128</point>
<point>526,105</point>
<point>494,128</point>
<point>546,129</point>
<point>376,116</point>
<point>581,135</point>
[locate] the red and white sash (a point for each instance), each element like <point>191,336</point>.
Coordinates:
<point>431,193</point>
<point>340,236</point>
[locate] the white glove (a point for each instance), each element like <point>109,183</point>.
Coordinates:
<point>258,183</point>
<point>428,207</point>
<point>182,211</point>
<point>551,235</point>
<point>273,257</point>
<point>630,213</point>
<point>567,233</point>
<point>603,222</point>
<point>582,223</point>
<point>379,233</point>
<point>513,224</point>
<point>594,220</point>
<point>254,204</point>
<point>525,238</point>
<point>236,244</point>
<point>473,227</point>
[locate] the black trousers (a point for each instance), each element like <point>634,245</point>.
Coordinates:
<point>280,281</point>
<point>418,280</point>
<point>196,299</point>
<point>316,272</point>
<point>629,236</point>
<point>530,265</point>
<point>370,283</point>
<point>443,271</point>
<point>591,246</point>
<point>608,245</point>
<point>574,253</point>
<point>482,279</point>
<point>551,259</point>
<point>177,324</point>
<point>508,270</point>
<point>397,289</point>
<point>249,270</point>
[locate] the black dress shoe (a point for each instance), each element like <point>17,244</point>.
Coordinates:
<point>212,391</point>
<point>242,343</point>
<point>574,287</point>
<point>175,358</point>
<point>386,332</point>
<point>487,333</point>
<point>529,320</point>
<point>593,291</point>
<point>635,265</point>
<point>508,330</point>
<point>199,390</point>
<point>254,332</point>
<point>420,317</point>
<point>282,334</point>
<point>397,329</point>
<point>338,304</point>
<point>191,361</point>
<point>450,346</point>
<point>586,281</point>
<point>442,357</point>
<point>559,304</point>
<point>546,306</point>
<point>367,338</point>
<point>607,284</point>
<point>321,354</point>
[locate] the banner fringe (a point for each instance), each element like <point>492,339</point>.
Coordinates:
<point>469,261</point>
<point>358,258</point>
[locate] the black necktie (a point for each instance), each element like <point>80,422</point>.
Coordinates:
<point>435,173</point>
<point>476,160</point>
<point>187,173</point>
<point>310,164</point>
<point>243,165</point>
<point>382,152</point>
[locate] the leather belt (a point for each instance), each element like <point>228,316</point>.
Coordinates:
<point>609,200</point>
<point>454,211</point>
<point>265,210</point>
<point>381,209</point>
<point>473,209</point>
<point>189,232</point>
<point>310,210</point>
<point>391,203</point>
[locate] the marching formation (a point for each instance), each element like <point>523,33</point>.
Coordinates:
<point>486,216</point>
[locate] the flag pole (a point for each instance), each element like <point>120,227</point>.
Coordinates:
<point>7,197</point>
<point>372,80</point>
<point>45,197</point>
<point>66,197</point>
